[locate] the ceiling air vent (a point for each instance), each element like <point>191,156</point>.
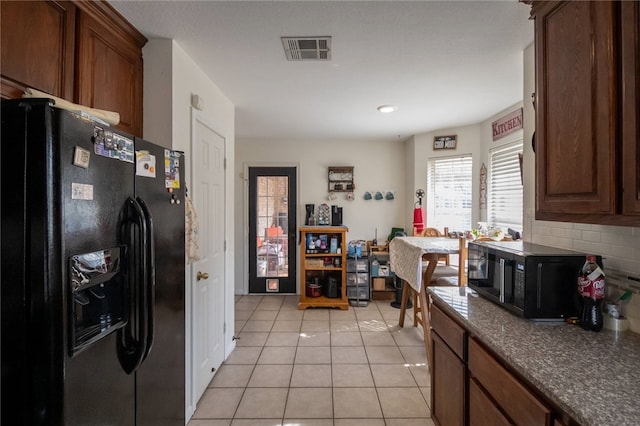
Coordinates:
<point>307,48</point>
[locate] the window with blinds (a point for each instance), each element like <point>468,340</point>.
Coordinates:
<point>449,182</point>
<point>504,208</point>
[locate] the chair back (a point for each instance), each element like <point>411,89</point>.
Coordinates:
<point>430,232</point>
<point>434,232</point>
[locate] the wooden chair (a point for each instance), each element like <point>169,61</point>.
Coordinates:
<point>431,232</point>
<point>434,232</point>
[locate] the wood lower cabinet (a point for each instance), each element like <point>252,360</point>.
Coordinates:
<point>448,384</point>
<point>448,370</point>
<point>319,265</point>
<point>471,386</point>
<point>509,394</point>
<point>84,52</point>
<point>482,410</point>
<point>587,97</point>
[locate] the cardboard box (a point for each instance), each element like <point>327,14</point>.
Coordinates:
<point>379,284</point>
<point>314,263</point>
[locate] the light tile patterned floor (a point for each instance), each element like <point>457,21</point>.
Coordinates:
<point>319,367</point>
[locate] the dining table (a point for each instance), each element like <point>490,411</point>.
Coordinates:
<point>413,260</point>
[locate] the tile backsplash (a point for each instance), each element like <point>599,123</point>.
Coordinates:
<point>619,247</point>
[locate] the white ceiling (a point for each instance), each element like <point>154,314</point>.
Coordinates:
<point>442,63</point>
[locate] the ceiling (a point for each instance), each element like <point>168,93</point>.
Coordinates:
<point>442,63</point>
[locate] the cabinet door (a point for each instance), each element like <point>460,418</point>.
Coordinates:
<point>511,395</point>
<point>482,411</point>
<point>37,47</point>
<point>449,331</point>
<point>630,45</point>
<point>110,71</point>
<point>447,387</point>
<point>576,87</point>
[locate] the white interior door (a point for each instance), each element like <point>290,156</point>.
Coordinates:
<point>208,150</point>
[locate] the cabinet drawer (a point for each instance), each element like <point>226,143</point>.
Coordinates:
<point>514,398</point>
<point>357,265</point>
<point>452,333</point>
<point>358,292</point>
<point>358,279</point>
<point>482,411</point>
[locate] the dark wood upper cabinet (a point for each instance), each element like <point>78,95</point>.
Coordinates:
<point>110,63</point>
<point>82,51</point>
<point>630,39</point>
<point>587,167</point>
<point>38,42</point>
<point>575,112</point>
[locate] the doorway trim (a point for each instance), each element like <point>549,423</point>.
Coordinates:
<point>245,219</point>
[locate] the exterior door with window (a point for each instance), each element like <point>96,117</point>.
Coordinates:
<point>272,229</point>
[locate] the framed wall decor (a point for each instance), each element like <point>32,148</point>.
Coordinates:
<point>483,187</point>
<point>445,142</point>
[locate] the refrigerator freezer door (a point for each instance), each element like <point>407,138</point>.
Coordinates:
<point>160,379</point>
<point>68,202</point>
<point>91,204</point>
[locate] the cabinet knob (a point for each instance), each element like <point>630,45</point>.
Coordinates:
<point>201,276</point>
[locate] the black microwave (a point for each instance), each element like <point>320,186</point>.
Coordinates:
<point>531,280</point>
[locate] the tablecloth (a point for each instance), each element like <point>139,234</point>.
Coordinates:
<point>405,255</point>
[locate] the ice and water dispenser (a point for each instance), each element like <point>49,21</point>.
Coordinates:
<point>98,295</point>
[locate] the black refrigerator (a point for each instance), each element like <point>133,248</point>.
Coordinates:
<point>92,272</point>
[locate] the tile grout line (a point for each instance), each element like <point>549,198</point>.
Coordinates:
<point>330,348</point>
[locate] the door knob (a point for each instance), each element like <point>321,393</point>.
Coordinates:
<point>201,276</point>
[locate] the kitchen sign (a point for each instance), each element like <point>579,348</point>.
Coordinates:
<point>444,142</point>
<point>506,125</point>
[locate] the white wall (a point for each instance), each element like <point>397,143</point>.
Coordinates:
<point>158,100</point>
<point>476,140</point>
<point>378,166</point>
<point>469,141</point>
<point>219,112</point>
<point>618,245</point>
<point>411,185</point>
<point>170,78</point>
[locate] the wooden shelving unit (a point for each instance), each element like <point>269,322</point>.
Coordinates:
<point>341,179</point>
<point>312,265</point>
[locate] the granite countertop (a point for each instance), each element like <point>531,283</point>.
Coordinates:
<point>593,377</point>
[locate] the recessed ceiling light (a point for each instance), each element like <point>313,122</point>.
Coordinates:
<point>387,108</point>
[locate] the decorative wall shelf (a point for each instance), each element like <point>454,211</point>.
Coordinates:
<point>341,179</point>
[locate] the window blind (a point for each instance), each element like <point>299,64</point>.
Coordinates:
<point>505,187</point>
<point>449,182</point>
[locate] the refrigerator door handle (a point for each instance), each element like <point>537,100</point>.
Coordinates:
<point>132,343</point>
<point>151,276</point>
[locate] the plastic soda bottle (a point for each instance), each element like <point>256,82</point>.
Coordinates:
<point>591,285</point>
